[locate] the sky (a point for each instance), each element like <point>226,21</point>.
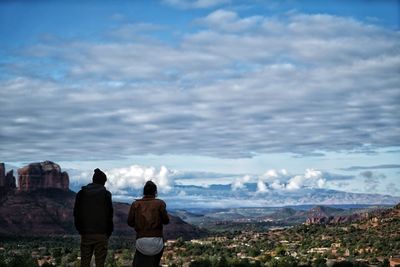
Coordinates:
<point>284,95</point>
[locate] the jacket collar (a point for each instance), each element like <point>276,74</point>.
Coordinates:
<point>148,197</point>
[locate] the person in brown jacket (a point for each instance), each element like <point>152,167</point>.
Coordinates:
<point>147,216</point>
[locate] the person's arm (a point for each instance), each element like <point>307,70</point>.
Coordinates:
<point>77,212</point>
<point>110,214</point>
<point>164,213</point>
<point>131,216</point>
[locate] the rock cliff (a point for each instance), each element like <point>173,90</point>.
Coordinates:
<point>42,175</point>
<point>7,181</point>
<point>2,174</point>
<point>345,218</point>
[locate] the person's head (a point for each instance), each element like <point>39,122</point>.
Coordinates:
<point>150,189</point>
<point>99,177</point>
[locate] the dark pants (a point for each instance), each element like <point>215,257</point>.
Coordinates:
<point>141,260</point>
<point>96,243</point>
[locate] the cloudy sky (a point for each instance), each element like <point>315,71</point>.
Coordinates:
<point>282,94</point>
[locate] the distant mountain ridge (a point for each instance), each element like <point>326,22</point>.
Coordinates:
<point>222,196</point>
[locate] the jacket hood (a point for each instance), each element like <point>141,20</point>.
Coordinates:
<point>93,188</point>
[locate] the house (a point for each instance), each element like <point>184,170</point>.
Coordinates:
<point>394,261</point>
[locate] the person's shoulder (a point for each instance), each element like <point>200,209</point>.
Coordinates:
<point>160,201</point>
<point>82,190</point>
<point>78,194</point>
<point>108,195</point>
<point>136,202</point>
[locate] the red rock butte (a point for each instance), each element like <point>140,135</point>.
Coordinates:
<point>42,175</point>
<point>7,181</point>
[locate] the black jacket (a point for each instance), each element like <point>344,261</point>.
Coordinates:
<point>93,210</point>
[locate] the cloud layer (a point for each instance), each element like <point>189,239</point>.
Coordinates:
<point>232,87</point>
<point>274,187</point>
<point>122,180</point>
<point>282,180</point>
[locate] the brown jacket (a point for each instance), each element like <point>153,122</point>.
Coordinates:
<point>147,216</point>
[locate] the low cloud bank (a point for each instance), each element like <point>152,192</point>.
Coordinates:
<point>135,176</point>
<point>272,188</point>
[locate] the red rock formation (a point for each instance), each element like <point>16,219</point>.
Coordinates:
<point>7,181</point>
<point>2,174</point>
<point>41,175</point>
<point>351,218</point>
<point>10,180</point>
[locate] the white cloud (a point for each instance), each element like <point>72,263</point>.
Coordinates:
<point>135,176</point>
<point>195,3</point>
<point>312,179</point>
<point>276,175</point>
<point>182,193</point>
<point>372,180</point>
<point>392,188</point>
<point>226,20</point>
<point>276,86</point>
<point>129,181</point>
<point>271,174</point>
<point>240,182</point>
<point>261,187</point>
<point>276,185</point>
<point>295,183</point>
<point>281,180</point>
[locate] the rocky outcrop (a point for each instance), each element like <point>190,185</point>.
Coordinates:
<point>350,218</point>
<point>2,174</point>
<point>7,181</point>
<point>10,180</point>
<point>42,175</point>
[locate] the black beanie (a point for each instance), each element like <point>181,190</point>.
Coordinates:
<point>99,177</point>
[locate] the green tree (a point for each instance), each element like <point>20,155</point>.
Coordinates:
<point>254,252</point>
<point>343,264</point>
<point>222,262</point>
<point>57,254</point>
<point>280,251</point>
<point>320,262</point>
<point>201,263</point>
<point>385,263</point>
<point>287,261</point>
<point>24,260</point>
<point>110,260</point>
<point>2,261</point>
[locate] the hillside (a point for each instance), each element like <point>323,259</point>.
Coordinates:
<point>263,218</point>
<point>371,241</point>
<point>50,212</point>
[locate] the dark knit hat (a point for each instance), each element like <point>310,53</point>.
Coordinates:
<point>99,177</point>
<point>150,189</point>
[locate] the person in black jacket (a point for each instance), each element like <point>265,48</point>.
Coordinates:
<point>93,214</point>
